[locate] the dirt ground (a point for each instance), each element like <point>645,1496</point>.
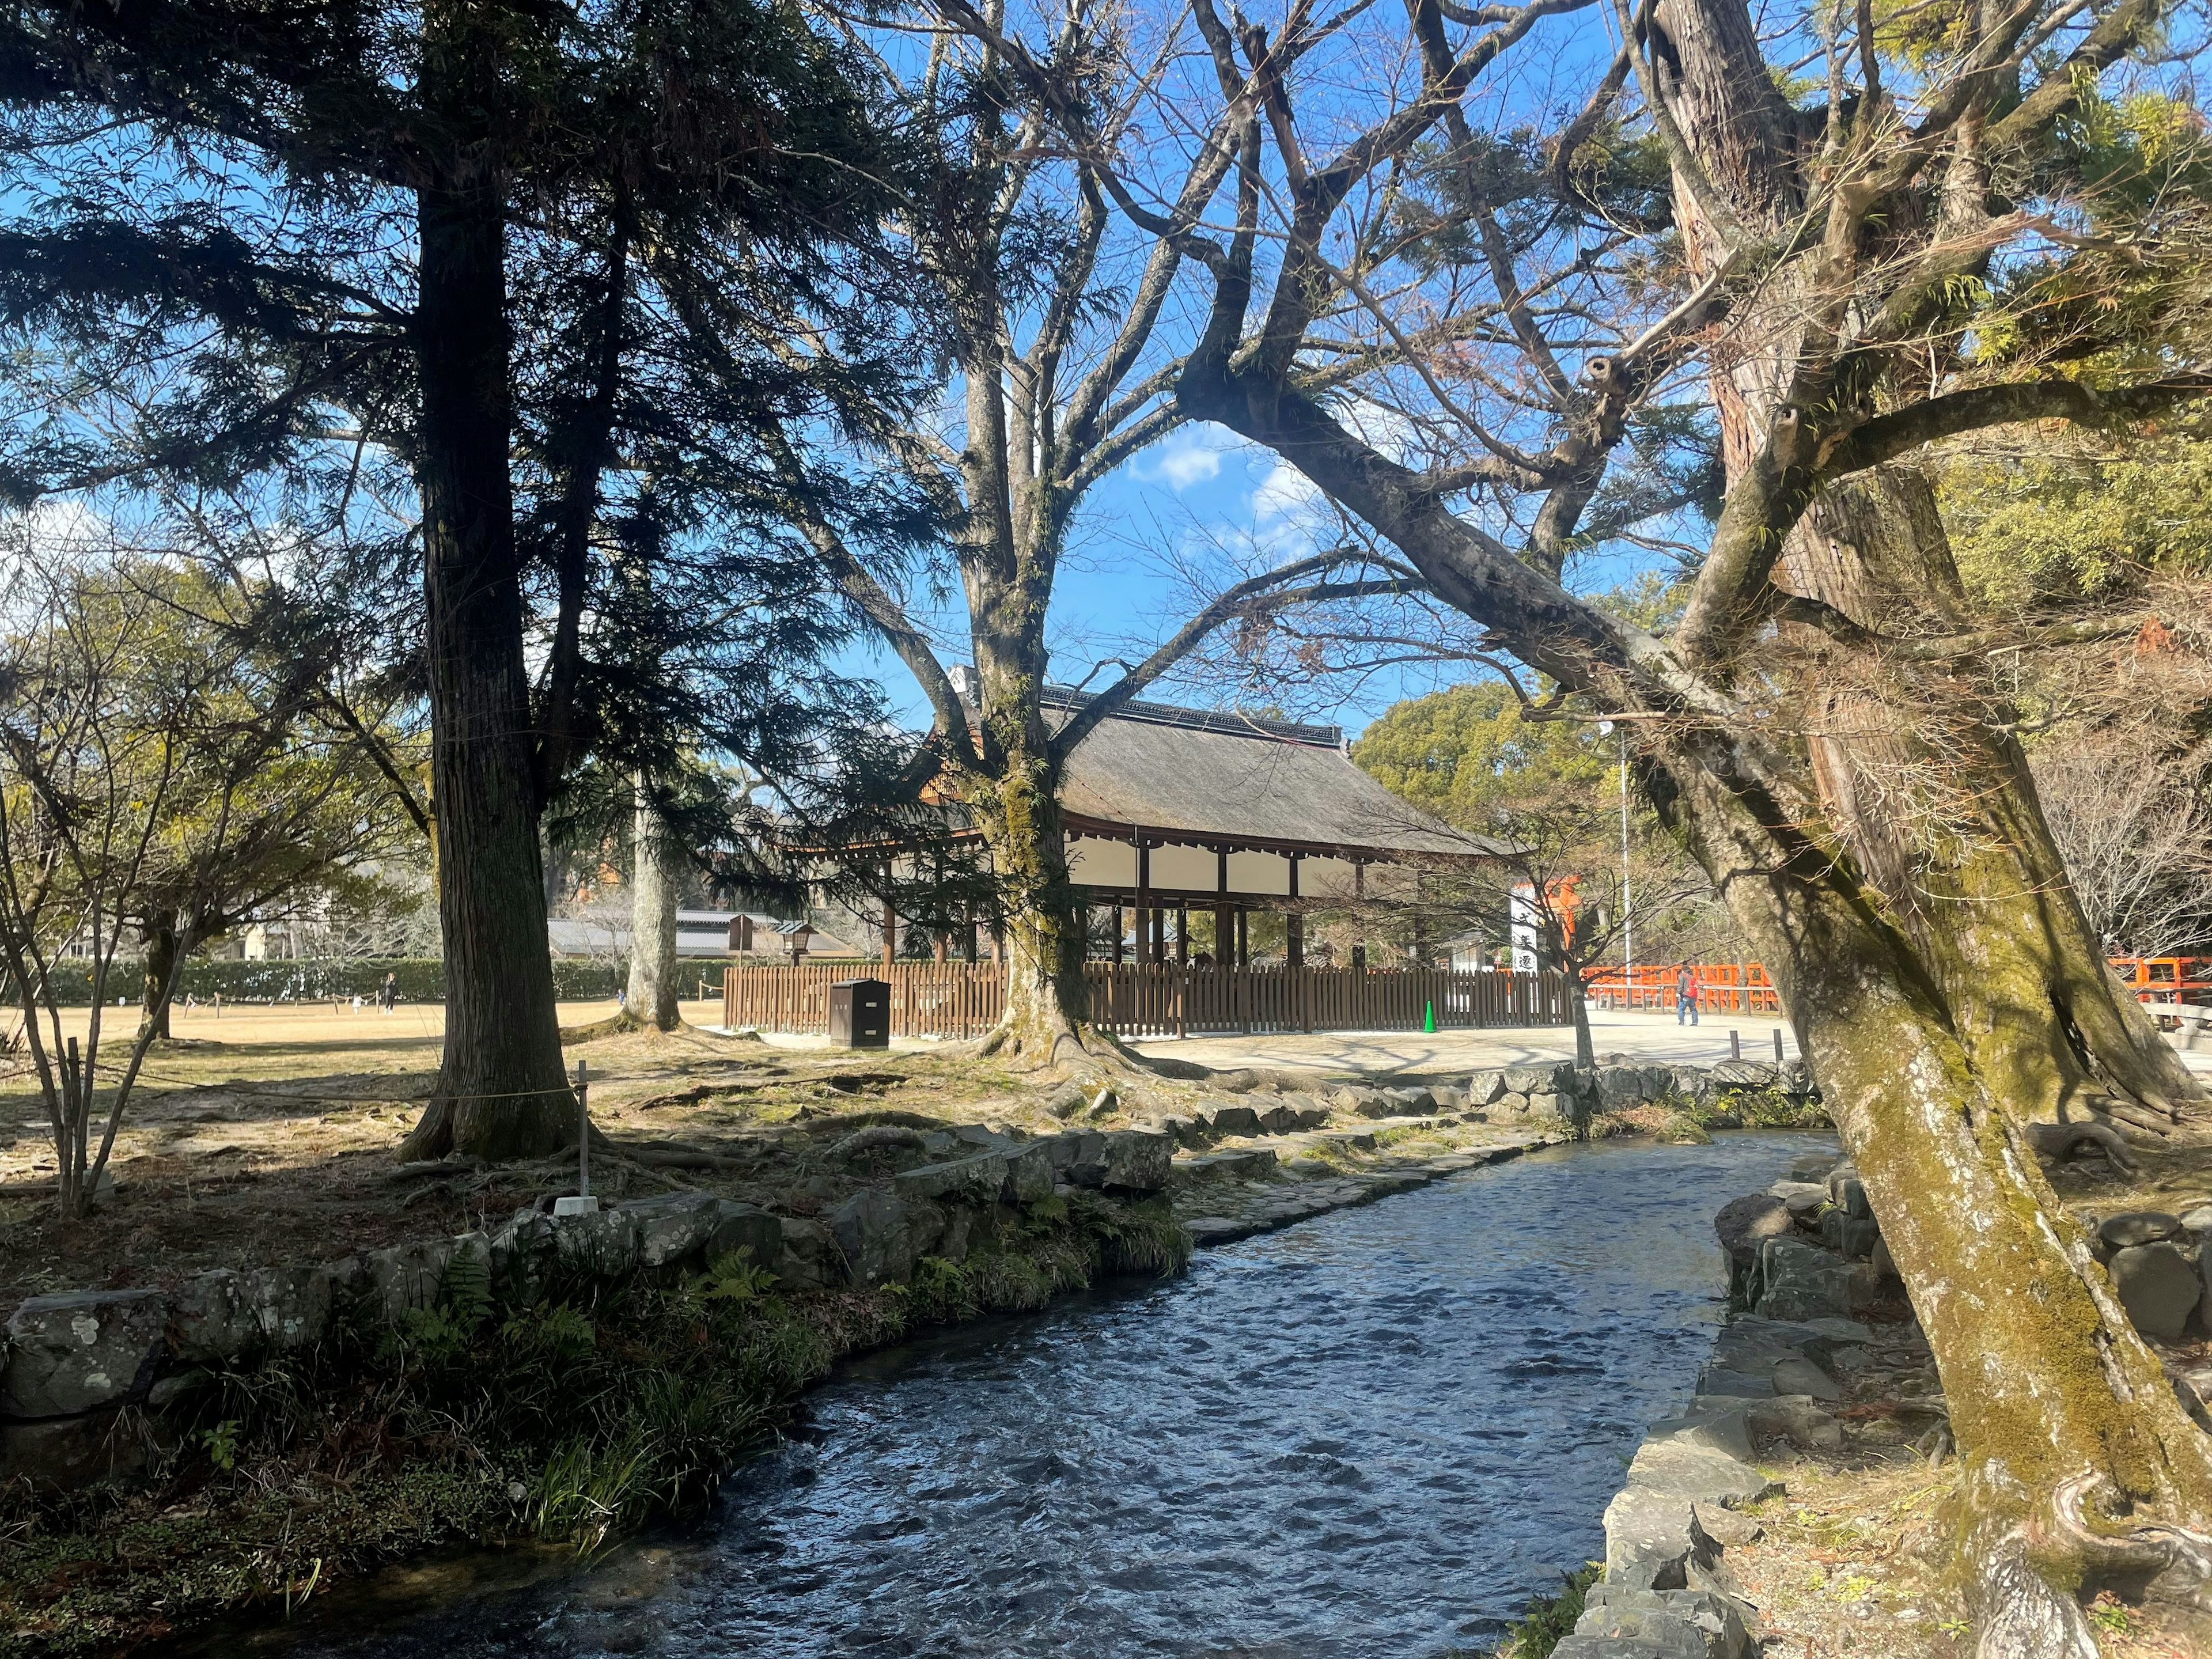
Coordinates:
<point>275,1141</point>
<point>1850,1563</point>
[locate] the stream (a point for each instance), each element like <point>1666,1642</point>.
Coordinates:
<point>1374,1433</point>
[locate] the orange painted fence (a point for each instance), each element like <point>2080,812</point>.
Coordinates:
<point>1744,987</point>
<point>964,999</point>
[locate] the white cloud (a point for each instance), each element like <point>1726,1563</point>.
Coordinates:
<point>1285,493</point>
<point>1188,458</point>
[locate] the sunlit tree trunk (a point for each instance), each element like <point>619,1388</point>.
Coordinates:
<point>1916,764</point>
<point>2072,1438</point>
<point>651,998</point>
<point>161,953</point>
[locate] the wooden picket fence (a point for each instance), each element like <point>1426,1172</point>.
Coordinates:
<point>928,999</point>
<point>964,999</point>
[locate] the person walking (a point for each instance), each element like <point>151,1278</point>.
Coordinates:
<point>1686,994</point>
<point>387,995</point>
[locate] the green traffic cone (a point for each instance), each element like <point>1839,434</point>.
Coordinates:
<point>1429,1017</point>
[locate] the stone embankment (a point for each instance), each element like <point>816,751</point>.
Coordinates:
<point>75,1362</point>
<point>1819,1359</point>
<point>1266,1153</point>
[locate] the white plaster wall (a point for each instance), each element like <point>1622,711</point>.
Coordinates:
<point>1098,863</point>
<point>1190,868</point>
<point>1259,872</point>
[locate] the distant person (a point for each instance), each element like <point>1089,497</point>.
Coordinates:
<point>387,995</point>
<point>218,1005</point>
<point>1686,994</point>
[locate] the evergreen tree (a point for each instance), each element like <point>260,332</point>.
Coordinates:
<point>392,276</point>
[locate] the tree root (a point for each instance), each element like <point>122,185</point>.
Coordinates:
<point>2058,1141</point>
<point>2021,1616</point>
<point>2154,1561</point>
<point>616,1025</point>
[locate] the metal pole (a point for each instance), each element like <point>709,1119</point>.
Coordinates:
<point>584,1132</point>
<point>1627,902</point>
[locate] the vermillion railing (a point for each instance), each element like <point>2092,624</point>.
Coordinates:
<point>1745,988</point>
<point>965,999</point>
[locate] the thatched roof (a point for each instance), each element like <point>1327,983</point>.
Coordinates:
<point>1215,779</point>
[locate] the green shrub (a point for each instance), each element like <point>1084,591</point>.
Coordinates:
<point>422,979</point>
<point>1550,1619</point>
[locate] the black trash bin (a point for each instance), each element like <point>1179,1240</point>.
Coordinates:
<point>861,1014</point>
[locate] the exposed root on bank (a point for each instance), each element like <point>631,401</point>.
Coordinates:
<point>2152,1560</point>
<point>2060,1140</point>
<point>2021,1616</point>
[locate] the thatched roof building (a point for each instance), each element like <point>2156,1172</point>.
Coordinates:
<point>1186,805</point>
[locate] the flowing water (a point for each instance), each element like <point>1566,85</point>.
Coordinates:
<point>1376,1433</point>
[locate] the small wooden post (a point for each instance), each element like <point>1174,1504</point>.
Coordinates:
<point>584,1131</point>
<point>1778,1045</point>
<point>1735,1045</point>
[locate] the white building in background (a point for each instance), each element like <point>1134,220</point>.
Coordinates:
<point>604,930</point>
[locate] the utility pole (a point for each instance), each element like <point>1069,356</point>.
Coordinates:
<point>1627,902</point>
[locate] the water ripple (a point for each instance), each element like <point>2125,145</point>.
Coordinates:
<point>1376,1433</point>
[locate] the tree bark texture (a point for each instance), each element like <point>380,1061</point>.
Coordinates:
<point>1915,764</point>
<point>501,1090</point>
<point>162,952</point>
<point>1017,806</point>
<point>652,989</point>
<point>2071,1435</point>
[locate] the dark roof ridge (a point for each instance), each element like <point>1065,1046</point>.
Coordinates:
<point>1234,723</point>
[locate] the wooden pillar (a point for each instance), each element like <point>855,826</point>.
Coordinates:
<point>1244,937</point>
<point>1117,935</point>
<point>1183,936</point>
<point>1294,928</point>
<point>890,934</point>
<point>1224,928</point>
<point>1145,952</point>
<point>1159,933</point>
<point>968,951</point>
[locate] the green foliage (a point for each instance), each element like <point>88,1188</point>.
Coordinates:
<point>1467,753</point>
<point>1550,1619</point>
<point>2074,522</point>
<point>422,979</point>
<point>220,1444</point>
<point>732,1277</point>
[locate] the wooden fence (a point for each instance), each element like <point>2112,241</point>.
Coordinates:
<point>928,999</point>
<point>964,999</point>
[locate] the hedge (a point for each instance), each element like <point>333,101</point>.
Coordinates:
<point>422,979</point>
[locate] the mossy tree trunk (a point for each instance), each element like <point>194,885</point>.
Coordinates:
<point>1917,762</point>
<point>2082,1471</point>
<point>162,950</point>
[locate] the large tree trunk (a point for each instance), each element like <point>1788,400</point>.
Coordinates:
<point>1048,1003</point>
<point>1917,765</point>
<point>2082,1471</point>
<point>653,990</point>
<point>501,1090</point>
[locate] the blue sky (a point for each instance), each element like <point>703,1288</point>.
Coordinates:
<point>1201,496</point>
